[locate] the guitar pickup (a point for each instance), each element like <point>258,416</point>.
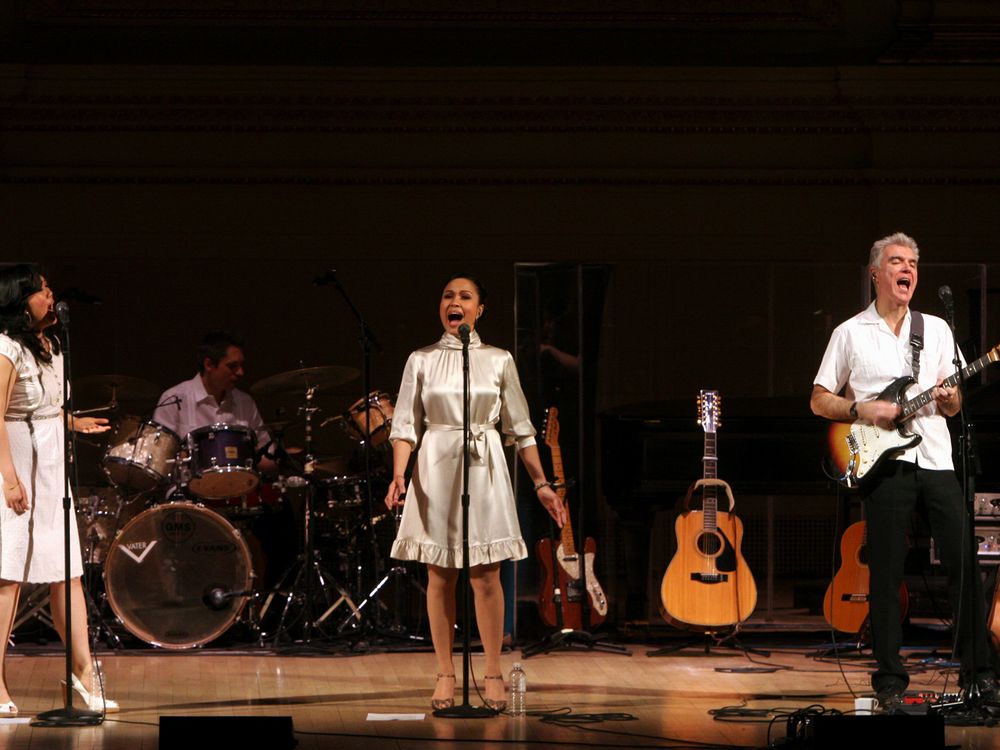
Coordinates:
<point>710,577</point>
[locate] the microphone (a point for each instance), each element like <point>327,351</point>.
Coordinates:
<point>330,277</point>
<point>463,332</point>
<point>944,294</point>
<point>62,312</point>
<point>217,597</point>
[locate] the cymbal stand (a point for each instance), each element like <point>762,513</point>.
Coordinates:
<point>306,578</point>
<point>400,575</point>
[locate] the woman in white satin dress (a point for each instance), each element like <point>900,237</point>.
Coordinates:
<point>31,470</point>
<point>428,415</point>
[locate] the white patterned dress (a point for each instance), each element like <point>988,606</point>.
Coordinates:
<point>31,544</point>
<point>428,415</point>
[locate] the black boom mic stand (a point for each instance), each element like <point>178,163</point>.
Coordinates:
<point>68,716</point>
<point>465,710</point>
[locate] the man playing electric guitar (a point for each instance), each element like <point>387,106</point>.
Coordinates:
<point>866,353</point>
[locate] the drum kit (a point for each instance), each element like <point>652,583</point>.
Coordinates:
<point>170,539</point>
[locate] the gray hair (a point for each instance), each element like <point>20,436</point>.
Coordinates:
<point>904,240</point>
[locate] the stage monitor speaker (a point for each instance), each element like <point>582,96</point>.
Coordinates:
<point>833,732</point>
<point>213,732</point>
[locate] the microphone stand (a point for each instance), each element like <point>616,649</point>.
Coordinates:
<point>69,716</point>
<point>465,710</point>
<point>973,701</point>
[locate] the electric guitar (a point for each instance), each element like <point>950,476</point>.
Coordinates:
<point>708,584</point>
<point>858,448</point>
<point>561,596</point>
<point>845,605</point>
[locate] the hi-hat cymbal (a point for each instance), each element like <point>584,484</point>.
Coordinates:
<point>300,381</point>
<point>115,387</point>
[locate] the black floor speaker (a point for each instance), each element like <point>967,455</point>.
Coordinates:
<point>214,732</point>
<point>831,732</point>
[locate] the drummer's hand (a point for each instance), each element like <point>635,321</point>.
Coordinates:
<point>90,425</point>
<point>552,504</point>
<point>17,499</point>
<point>397,492</point>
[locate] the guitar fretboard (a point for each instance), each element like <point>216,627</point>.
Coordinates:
<point>918,402</point>
<point>709,497</point>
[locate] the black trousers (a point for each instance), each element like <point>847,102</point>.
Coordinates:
<point>889,501</point>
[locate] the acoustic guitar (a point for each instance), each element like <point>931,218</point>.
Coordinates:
<point>565,587</point>
<point>845,605</point>
<point>858,448</point>
<point>708,585</point>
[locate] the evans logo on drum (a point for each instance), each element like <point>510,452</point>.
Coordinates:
<point>177,527</point>
<point>213,548</point>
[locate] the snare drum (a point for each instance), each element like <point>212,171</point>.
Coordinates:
<point>338,495</point>
<point>178,575</point>
<point>266,497</point>
<point>381,411</point>
<point>221,461</point>
<point>144,459</point>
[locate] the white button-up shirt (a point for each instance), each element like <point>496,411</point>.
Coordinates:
<point>866,356</point>
<point>197,408</point>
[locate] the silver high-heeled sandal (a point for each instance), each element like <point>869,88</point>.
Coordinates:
<point>94,701</point>
<point>8,709</point>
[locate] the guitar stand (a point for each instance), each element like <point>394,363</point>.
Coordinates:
<point>707,641</point>
<point>572,640</point>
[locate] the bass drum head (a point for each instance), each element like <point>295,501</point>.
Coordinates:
<point>165,565</point>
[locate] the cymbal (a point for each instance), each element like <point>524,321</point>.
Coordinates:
<point>294,381</point>
<point>106,388</point>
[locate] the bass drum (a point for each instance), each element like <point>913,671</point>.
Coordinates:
<point>178,575</point>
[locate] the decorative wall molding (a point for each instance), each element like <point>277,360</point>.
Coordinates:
<point>691,13</point>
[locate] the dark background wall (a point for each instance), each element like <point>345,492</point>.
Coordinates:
<point>196,165</point>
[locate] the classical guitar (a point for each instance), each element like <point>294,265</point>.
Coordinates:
<point>564,584</point>
<point>708,585</point>
<point>858,448</point>
<point>845,605</point>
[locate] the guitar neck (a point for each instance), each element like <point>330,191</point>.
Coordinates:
<point>566,536</point>
<point>710,470</point>
<point>910,407</point>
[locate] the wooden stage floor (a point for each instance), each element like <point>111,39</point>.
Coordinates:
<point>329,697</point>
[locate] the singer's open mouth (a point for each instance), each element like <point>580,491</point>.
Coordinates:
<point>904,282</point>
<point>454,317</point>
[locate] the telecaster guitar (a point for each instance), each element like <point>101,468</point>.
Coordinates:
<point>562,592</point>
<point>857,449</point>
<point>708,585</point>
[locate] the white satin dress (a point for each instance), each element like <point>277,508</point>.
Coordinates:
<point>428,415</point>
<point>31,544</point>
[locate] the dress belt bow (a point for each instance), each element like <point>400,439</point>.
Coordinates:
<point>477,435</point>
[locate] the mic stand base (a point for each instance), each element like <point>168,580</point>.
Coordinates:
<point>466,711</point>
<point>69,716</point>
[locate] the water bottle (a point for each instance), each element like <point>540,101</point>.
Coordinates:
<point>518,688</point>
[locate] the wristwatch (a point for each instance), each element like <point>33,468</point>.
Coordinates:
<point>854,410</point>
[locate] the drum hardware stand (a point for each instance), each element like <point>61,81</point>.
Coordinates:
<point>368,342</point>
<point>400,574</point>
<point>310,576</point>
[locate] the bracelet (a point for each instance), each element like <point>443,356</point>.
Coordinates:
<point>543,483</point>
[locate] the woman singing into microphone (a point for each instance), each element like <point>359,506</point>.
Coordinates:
<point>31,470</point>
<point>429,415</point>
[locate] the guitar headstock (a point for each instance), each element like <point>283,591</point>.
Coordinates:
<point>550,432</point>
<point>993,355</point>
<point>709,410</point>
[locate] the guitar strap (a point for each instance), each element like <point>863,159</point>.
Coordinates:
<point>916,340</point>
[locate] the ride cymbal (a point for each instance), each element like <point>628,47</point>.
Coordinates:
<point>300,381</point>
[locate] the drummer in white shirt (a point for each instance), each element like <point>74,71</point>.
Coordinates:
<point>211,396</point>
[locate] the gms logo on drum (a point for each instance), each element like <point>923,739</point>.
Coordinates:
<point>177,526</point>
